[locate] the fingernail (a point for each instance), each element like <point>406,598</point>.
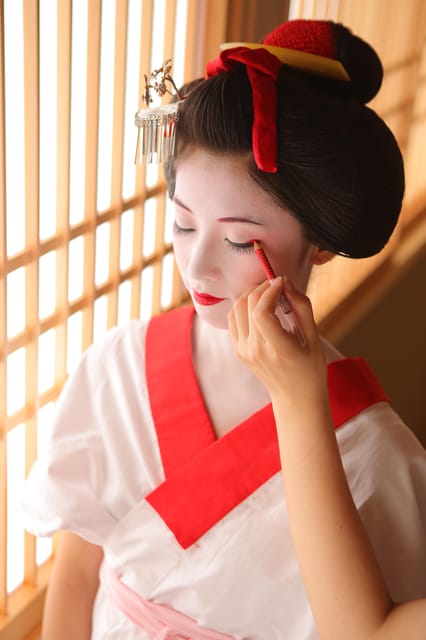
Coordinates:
<point>276,281</point>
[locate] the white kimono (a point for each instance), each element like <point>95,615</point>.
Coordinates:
<point>199,523</point>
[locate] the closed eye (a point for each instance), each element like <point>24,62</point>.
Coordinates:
<point>240,247</point>
<point>180,231</point>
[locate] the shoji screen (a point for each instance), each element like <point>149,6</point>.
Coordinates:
<point>85,236</point>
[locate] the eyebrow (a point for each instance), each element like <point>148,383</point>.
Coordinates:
<point>234,219</point>
<point>180,203</point>
<point>223,219</point>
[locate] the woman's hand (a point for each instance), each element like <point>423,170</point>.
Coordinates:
<point>289,372</point>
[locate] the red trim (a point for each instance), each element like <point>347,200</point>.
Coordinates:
<point>352,387</point>
<point>218,478</point>
<point>181,420</point>
<point>205,477</point>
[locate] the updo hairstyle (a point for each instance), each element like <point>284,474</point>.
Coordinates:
<point>340,171</point>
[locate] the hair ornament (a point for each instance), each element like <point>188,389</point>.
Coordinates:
<point>262,70</point>
<point>307,45</point>
<point>157,125</point>
<point>309,62</point>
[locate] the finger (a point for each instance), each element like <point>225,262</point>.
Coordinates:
<point>302,308</point>
<point>240,315</point>
<point>267,322</point>
<point>232,326</point>
<point>243,306</point>
<point>253,301</point>
<point>270,295</point>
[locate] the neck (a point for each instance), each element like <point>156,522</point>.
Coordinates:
<point>208,341</point>
<point>230,390</point>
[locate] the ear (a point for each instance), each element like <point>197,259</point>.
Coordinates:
<point>321,256</point>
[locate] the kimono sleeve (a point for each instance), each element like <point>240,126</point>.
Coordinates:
<point>64,489</point>
<point>386,469</point>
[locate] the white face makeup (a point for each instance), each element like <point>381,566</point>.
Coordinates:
<point>218,211</point>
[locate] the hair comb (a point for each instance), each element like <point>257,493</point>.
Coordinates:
<point>157,125</point>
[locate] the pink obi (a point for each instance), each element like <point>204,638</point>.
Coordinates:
<point>161,622</point>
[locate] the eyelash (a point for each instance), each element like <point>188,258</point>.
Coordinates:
<point>235,247</point>
<point>180,231</point>
<point>244,247</point>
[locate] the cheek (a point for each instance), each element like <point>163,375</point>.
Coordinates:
<point>254,272</point>
<point>295,264</point>
<point>180,253</point>
<point>248,273</point>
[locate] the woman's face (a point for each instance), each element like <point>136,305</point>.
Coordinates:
<point>218,211</point>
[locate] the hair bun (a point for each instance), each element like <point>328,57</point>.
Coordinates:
<point>334,40</point>
<point>360,61</point>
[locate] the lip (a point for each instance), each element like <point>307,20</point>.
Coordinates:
<point>205,298</point>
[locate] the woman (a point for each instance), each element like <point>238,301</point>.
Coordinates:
<point>164,460</point>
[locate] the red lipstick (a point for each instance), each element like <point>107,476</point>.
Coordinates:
<point>205,298</point>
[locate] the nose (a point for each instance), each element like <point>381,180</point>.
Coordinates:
<point>203,262</point>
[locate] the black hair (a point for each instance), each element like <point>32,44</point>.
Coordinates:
<point>340,171</point>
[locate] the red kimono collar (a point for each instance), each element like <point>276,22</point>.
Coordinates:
<point>207,477</point>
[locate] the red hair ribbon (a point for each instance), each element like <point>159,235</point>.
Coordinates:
<point>262,71</point>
